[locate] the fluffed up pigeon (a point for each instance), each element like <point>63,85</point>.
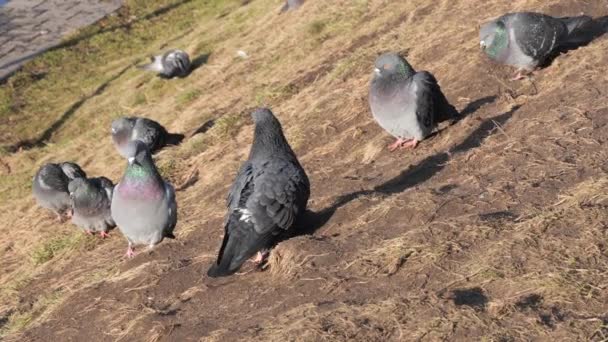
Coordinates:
<point>91,200</point>
<point>50,187</point>
<point>151,133</point>
<point>291,5</point>
<point>526,39</point>
<point>170,64</point>
<point>143,203</point>
<point>406,103</point>
<point>269,193</point>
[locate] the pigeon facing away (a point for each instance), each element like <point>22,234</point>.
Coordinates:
<point>143,203</point>
<point>151,133</point>
<point>291,5</point>
<point>406,103</point>
<point>50,186</point>
<point>526,39</point>
<point>269,193</point>
<point>170,64</point>
<point>91,200</point>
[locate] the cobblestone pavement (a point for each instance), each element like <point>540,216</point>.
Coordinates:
<point>29,27</point>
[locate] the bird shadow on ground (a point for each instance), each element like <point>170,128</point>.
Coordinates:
<point>46,135</point>
<point>592,31</point>
<point>310,221</point>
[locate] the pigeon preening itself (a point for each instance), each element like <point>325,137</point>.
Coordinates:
<point>50,187</point>
<point>170,64</point>
<point>91,200</point>
<point>151,133</point>
<point>525,40</point>
<point>291,5</point>
<point>269,193</point>
<point>406,103</point>
<point>143,203</point>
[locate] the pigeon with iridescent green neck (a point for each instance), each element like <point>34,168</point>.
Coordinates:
<point>406,103</point>
<point>525,39</point>
<point>91,200</point>
<point>143,203</point>
<point>50,187</point>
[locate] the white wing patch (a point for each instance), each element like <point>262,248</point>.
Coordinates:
<point>245,215</point>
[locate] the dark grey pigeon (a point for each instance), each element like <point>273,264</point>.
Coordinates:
<point>143,203</point>
<point>50,187</point>
<point>291,5</point>
<point>153,134</point>
<point>525,39</point>
<point>269,193</point>
<point>406,103</point>
<point>91,200</point>
<point>170,64</point>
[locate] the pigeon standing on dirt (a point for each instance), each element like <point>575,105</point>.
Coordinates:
<point>269,193</point>
<point>170,64</point>
<point>91,200</point>
<point>291,5</point>
<point>143,203</point>
<point>526,39</point>
<point>50,187</point>
<point>153,134</point>
<point>406,103</point>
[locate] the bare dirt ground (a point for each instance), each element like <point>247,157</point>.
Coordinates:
<point>494,229</point>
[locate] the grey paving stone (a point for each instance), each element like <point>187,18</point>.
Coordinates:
<point>29,27</point>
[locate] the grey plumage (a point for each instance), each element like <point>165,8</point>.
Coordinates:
<point>91,200</point>
<point>150,132</point>
<point>143,203</point>
<point>270,191</point>
<point>406,103</point>
<point>291,5</point>
<point>50,186</point>
<point>526,39</point>
<point>170,64</point>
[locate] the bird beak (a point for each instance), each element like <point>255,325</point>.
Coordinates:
<point>377,71</point>
<point>113,130</point>
<point>482,44</point>
<point>131,160</point>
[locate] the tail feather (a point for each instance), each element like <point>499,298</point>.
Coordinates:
<point>174,138</point>
<point>581,30</point>
<point>239,244</point>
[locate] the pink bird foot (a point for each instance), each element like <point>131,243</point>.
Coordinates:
<point>521,74</point>
<point>260,257</point>
<point>410,144</point>
<point>392,147</point>
<point>130,252</point>
<point>104,235</point>
<point>88,232</point>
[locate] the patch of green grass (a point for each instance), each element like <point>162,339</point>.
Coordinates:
<point>316,27</point>
<point>55,246</point>
<point>227,125</point>
<point>21,319</point>
<point>140,99</point>
<point>188,96</point>
<point>273,93</point>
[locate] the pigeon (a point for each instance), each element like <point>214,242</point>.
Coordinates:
<point>291,5</point>
<point>153,134</point>
<point>91,199</point>
<point>50,187</point>
<point>406,103</point>
<point>170,64</point>
<point>526,39</point>
<point>269,193</point>
<point>143,203</point>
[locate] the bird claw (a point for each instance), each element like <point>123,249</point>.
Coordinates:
<point>402,143</point>
<point>88,232</point>
<point>130,252</point>
<point>104,235</point>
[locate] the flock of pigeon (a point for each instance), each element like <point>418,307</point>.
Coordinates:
<point>271,188</point>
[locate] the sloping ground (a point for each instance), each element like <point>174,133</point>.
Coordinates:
<point>493,229</point>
